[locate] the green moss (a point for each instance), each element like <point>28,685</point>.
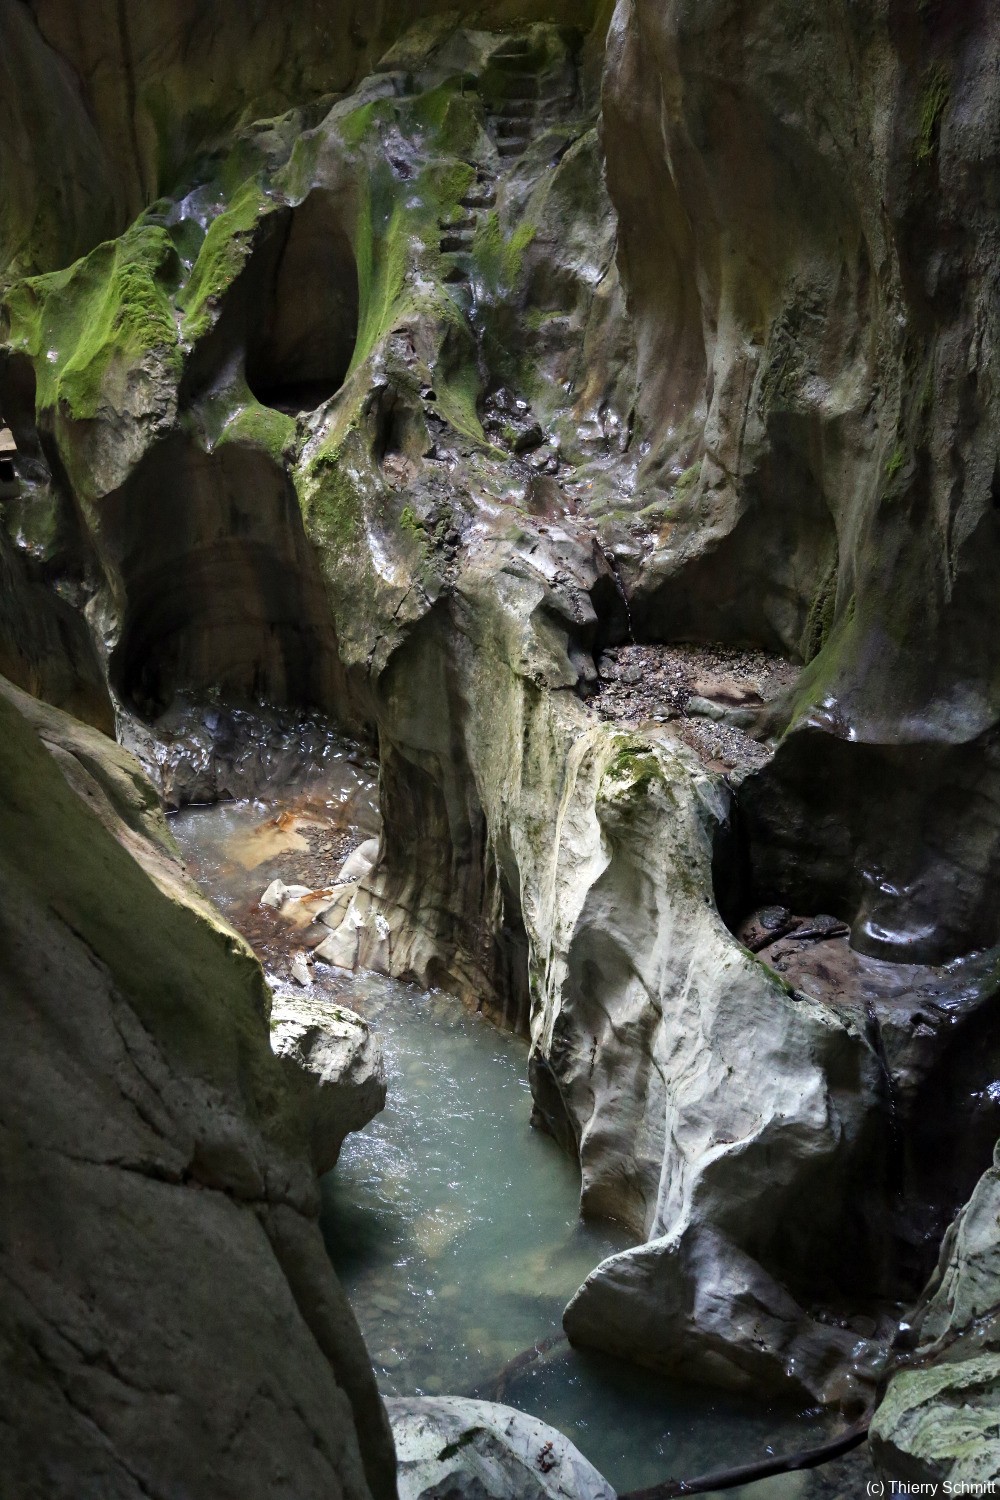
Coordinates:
<point>687,481</point>
<point>933,103</point>
<point>678,507</point>
<point>499,259</point>
<point>382,240</point>
<point>444,185</point>
<point>332,502</point>
<point>359,125</point>
<point>261,427</point>
<point>188,237</point>
<point>779,981</point>
<point>895,463</point>
<point>453,117</point>
<point>633,770</point>
<point>822,611</point>
<point>223,255</point>
<point>820,679</point>
<point>411,522</point>
<point>106,312</point>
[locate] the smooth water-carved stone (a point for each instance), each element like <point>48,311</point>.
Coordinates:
<point>278,894</point>
<point>451,1449</point>
<point>358,863</point>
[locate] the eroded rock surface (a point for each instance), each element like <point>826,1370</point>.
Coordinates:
<point>812,338</point>
<point>344,1083</point>
<point>940,1420</point>
<point>712,370</point>
<point>170,1321</point>
<point>450,1449</point>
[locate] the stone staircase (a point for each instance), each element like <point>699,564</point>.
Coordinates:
<point>458,233</point>
<point>520,108</point>
<point>513,123</point>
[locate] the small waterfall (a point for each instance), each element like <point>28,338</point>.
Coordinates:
<point>895,1132</point>
<point>612,563</point>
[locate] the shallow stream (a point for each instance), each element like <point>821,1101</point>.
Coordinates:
<point>453,1225</point>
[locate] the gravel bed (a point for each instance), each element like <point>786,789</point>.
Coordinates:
<point>685,686</point>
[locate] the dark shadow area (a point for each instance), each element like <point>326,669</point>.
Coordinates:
<point>900,841</point>
<point>758,585</point>
<point>223,593</point>
<point>45,645</point>
<point>897,842</point>
<point>303,326</point>
<point>17,403</point>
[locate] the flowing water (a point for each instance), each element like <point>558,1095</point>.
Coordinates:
<point>453,1225</point>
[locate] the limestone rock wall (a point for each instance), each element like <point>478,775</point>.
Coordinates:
<point>813,276</point>
<point>170,1321</point>
<point>727,1121</point>
<point>740,391</point>
<point>105,109</point>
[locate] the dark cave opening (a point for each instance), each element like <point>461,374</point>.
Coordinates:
<point>222,591</point>
<point>17,402</point>
<point>300,347</point>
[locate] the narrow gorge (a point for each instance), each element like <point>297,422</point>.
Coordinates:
<point>500,786</point>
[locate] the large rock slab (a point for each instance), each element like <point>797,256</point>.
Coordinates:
<point>719,1114</point>
<point>170,1322</point>
<point>451,1449</point>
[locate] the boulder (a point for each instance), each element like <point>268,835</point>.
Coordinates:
<point>358,863</point>
<point>334,1063</point>
<point>300,971</point>
<point>278,893</point>
<point>452,1449</point>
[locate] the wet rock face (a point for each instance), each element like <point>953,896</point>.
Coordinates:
<point>45,646</point>
<point>221,589</point>
<point>134,97</point>
<point>939,1420</point>
<point>59,197</point>
<point>813,279</point>
<point>398,413</point>
<point>169,1309</point>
